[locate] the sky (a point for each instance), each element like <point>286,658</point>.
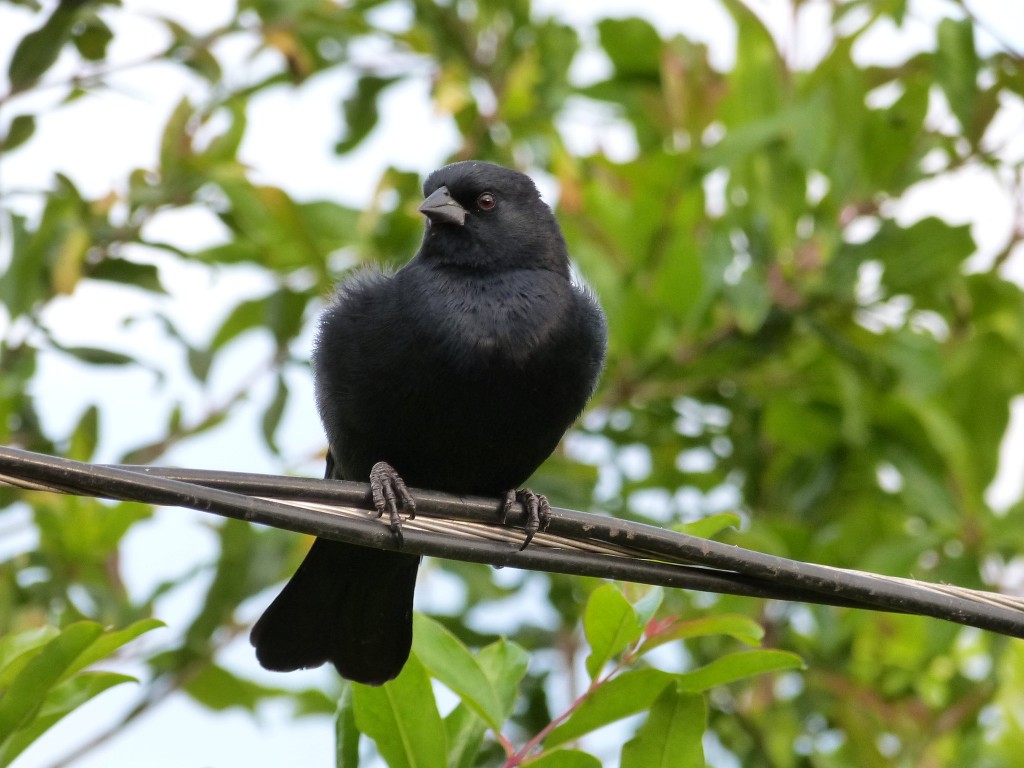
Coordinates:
<point>97,140</point>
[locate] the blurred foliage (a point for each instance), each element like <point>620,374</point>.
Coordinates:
<point>786,347</point>
<point>43,676</point>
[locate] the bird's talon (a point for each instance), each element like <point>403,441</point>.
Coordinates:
<point>396,521</point>
<point>544,513</point>
<point>389,491</point>
<point>510,499</point>
<point>531,529</point>
<point>537,508</point>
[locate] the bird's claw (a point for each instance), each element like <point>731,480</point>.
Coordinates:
<point>538,511</point>
<point>389,491</point>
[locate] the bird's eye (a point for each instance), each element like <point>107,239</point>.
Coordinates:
<point>485,201</point>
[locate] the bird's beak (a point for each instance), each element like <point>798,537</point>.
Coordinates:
<point>441,207</point>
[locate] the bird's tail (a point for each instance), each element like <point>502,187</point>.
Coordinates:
<point>349,605</point>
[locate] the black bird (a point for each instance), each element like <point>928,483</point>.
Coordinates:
<point>461,371</point>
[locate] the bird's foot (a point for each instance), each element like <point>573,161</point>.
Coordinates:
<point>389,491</point>
<point>538,511</point>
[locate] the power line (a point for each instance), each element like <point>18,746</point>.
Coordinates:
<point>469,528</point>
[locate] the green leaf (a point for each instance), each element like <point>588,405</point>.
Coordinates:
<point>742,628</point>
<point>92,38</point>
<point>114,270</point>
<point>18,132</point>
<point>199,362</point>
<point>892,140</point>
<point>234,252</point>
<point>360,111</point>
<point>921,260</point>
<point>112,640</point>
<point>750,299</point>
<point>520,96</point>
<point>622,696</point>
<point>465,733</point>
<point>737,666</point>
<point>740,142</point>
<point>218,689</point>
<point>311,701</point>
<point>285,311</point>
<point>505,664</point>
<point>448,660</point>
<point>223,148</point>
<point>16,650</point>
<point>633,45</point>
<point>648,605</point>
<point>334,226</point>
<point>176,143</point>
<point>346,733</point>
<point>672,734</point>
<point>757,78</point>
<point>41,679</point>
<point>610,625</point>
<point>85,435</point>
<point>947,437</point>
<point>710,526</point>
<point>192,51</point>
<point>22,285</point>
<point>61,701</point>
<point>232,582</point>
<point>38,50</point>
<point>97,355</point>
<point>1009,679</point>
<point>800,428</point>
<point>1000,359</point>
<point>956,68</point>
<point>270,229</point>
<point>401,717</point>
<point>48,667</point>
<point>280,311</point>
<point>84,532</point>
<point>273,413</point>
<point>245,316</point>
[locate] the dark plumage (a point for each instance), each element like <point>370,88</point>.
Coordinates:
<point>462,371</point>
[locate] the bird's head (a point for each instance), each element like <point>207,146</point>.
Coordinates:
<point>485,217</point>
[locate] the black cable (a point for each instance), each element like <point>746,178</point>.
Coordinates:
<point>713,566</point>
<point>764,575</point>
<point>207,491</point>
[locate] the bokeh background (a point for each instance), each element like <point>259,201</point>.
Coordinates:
<point>804,220</point>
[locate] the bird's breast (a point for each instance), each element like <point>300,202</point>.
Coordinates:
<point>496,321</point>
<point>504,328</point>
